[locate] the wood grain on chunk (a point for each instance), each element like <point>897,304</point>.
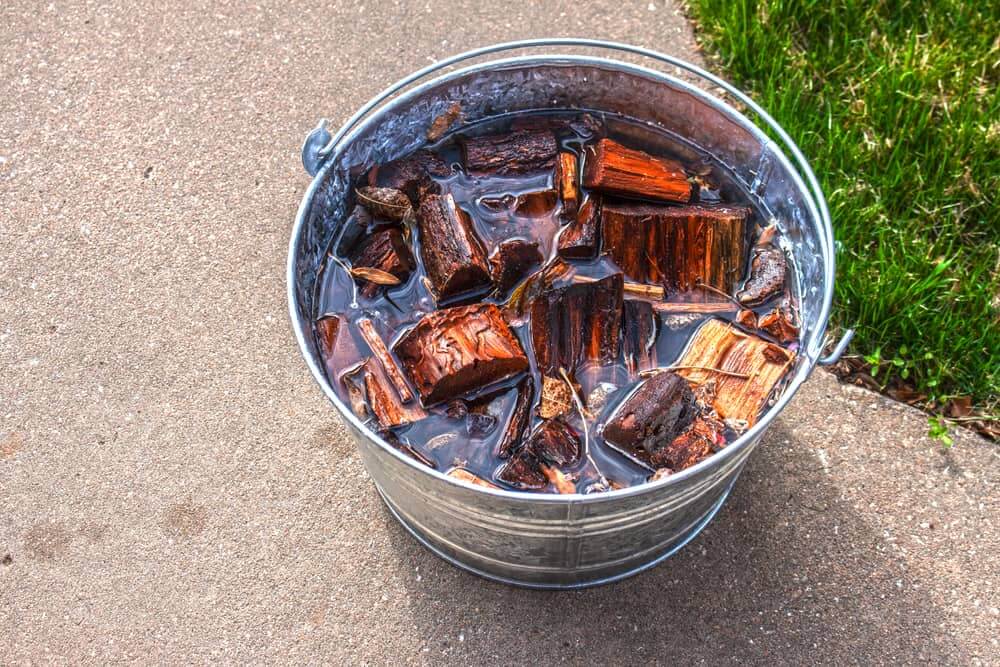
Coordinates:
<point>454,351</point>
<point>657,412</point>
<point>381,352</point>
<point>695,444</point>
<point>387,251</point>
<point>639,324</point>
<point>581,237</point>
<point>513,153</point>
<point>678,247</point>
<point>512,261</point>
<point>384,401</point>
<point>577,323</point>
<point>453,255</point>
<point>615,169</point>
<point>520,415</point>
<point>554,442</point>
<point>470,478</point>
<point>719,345</point>
<point>566,183</point>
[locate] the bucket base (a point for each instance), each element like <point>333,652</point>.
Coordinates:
<point>656,560</point>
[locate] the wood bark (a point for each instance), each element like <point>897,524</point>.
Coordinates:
<point>615,169</point>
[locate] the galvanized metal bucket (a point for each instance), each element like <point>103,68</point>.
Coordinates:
<point>563,541</point>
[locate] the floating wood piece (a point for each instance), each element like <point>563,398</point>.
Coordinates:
<point>752,368</point>
<point>520,415</point>
<point>678,247</point>
<point>389,364</point>
<point>383,400</point>
<point>470,478</point>
<point>768,271</point>
<point>444,120</point>
<point>512,261</point>
<point>701,440</point>
<point>386,251</point>
<point>781,323</point>
<point>523,472</point>
<point>639,324</point>
<point>513,153</point>
<point>353,381</point>
<point>554,442</point>
<point>452,352</point>
<point>566,183</point>
<point>562,482</point>
<point>747,319</point>
<point>388,203</point>
<point>537,283</point>
<point>453,255</point>
<point>653,416</point>
<point>327,330</point>
<point>413,174</point>
<point>577,323</point>
<point>615,169</point>
<point>580,239</point>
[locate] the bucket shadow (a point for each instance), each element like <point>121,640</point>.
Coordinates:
<point>786,570</point>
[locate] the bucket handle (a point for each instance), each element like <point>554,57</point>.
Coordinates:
<point>319,144</point>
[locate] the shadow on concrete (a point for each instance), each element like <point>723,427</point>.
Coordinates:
<point>784,568</point>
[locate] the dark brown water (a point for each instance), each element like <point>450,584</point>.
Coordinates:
<point>490,201</point>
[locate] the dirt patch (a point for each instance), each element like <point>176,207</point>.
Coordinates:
<point>185,519</point>
<point>48,541</point>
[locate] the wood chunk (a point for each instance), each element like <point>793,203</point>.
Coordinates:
<point>615,169</point>
<point>470,478</point>
<point>513,261</point>
<point>538,283</point>
<point>388,363</point>
<point>387,203</point>
<point>519,417</point>
<point>554,442</point>
<point>556,399</point>
<point>639,325</point>
<point>697,443</point>
<point>453,255</point>
<point>523,471</point>
<point>653,416</point>
<point>514,153</point>
<point>581,237</point>
<point>382,398</point>
<point>679,247</point>
<point>413,174</point>
<point>747,319</point>
<point>327,330</point>
<point>781,323</point>
<point>353,381</point>
<point>768,271</point>
<point>454,351</point>
<point>386,251</point>
<point>562,482</point>
<point>752,368</point>
<point>577,323</point>
<point>566,183</point>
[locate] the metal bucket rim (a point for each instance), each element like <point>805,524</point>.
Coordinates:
<point>352,128</point>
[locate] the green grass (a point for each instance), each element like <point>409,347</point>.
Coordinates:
<point>897,107</point>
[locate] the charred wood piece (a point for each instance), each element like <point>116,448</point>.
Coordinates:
<point>661,409</point>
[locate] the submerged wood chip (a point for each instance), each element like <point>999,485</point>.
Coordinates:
<point>387,203</point>
<point>556,398</point>
<point>373,275</point>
